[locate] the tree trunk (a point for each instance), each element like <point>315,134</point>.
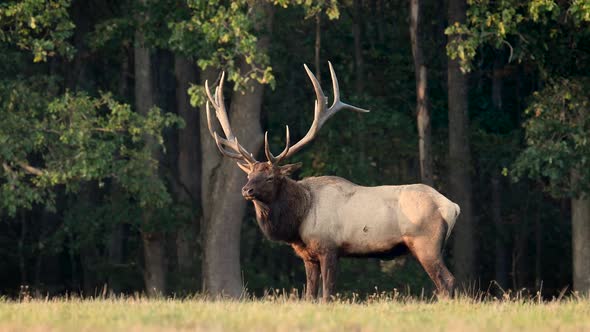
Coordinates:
<point>500,271</point>
<point>318,45</point>
<point>75,77</point>
<point>22,256</point>
<point>189,169</point>
<point>581,242</point>
<point>381,21</point>
<point>460,159</point>
<point>89,259</point>
<point>116,235</point>
<point>153,242</point>
<point>115,239</point>
<point>500,267</point>
<point>223,204</point>
<point>538,249</point>
<point>114,252</point>
<point>211,162</point>
<point>422,111</point>
<point>357,25</point>
<point>497,83</point>
<point>358,50</point>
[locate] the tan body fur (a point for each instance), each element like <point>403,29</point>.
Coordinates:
<point>363,220</point>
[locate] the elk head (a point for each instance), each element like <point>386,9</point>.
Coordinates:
<point>265,178</point>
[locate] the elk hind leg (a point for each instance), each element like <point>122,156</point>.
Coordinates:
<point>428,251</point>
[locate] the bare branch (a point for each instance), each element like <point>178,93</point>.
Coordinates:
<point>30,169</point>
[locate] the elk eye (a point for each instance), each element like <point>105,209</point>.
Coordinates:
<point>270,179</point>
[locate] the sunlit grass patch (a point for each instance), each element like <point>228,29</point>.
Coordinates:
<point>284,313</point>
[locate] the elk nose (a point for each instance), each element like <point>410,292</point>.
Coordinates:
<point>246,191</point>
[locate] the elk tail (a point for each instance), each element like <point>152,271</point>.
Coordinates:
<point>450,214</point>
<point>445,231</point>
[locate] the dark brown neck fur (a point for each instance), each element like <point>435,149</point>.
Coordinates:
<point>280,219</point>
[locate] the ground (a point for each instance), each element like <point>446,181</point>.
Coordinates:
<point>283,314</point>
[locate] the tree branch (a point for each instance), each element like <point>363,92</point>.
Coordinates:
<point>30,169</point>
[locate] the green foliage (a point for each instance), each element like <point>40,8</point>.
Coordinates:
<point>39,26</point>
<point>151,17</point>
<point>219,33</point>
<point>51,141</point>
<point>330,7</point>
<point>558,138</point>
<point>527,28</point>
<point>580,11</point>
<point>112,32</point>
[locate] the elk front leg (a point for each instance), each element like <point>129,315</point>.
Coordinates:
<point>328,263</point>
<point>312,273</point>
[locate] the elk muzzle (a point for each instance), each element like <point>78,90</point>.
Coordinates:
<point>248,192</point>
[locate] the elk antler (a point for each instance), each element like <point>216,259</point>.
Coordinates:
<point>321,115</point>
<point>230,141</point>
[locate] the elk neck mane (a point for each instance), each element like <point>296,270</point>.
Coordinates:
<point>280,219</point>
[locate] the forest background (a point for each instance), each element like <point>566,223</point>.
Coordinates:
<point>111,182</point>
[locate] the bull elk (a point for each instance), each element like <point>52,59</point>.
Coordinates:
<point>327,217</point>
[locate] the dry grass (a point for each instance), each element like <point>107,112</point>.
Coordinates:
<point>280,313</point>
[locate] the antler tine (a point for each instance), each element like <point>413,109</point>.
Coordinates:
<point>320,97</point>
<point>335,86</point>
<point>220,142</point>
<point>242,155</point>
<point>220,109</point>
<point>209,125</point>
<point>272,159</point>
<point>238,151</point>
<point>321,114</point>
<point>337,104</point>
<point>247,155</point>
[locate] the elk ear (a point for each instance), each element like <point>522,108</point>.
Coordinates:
<point>290,168</point>
<point>244,167</point>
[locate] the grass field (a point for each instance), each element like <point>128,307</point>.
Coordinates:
<point>288,315</point>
